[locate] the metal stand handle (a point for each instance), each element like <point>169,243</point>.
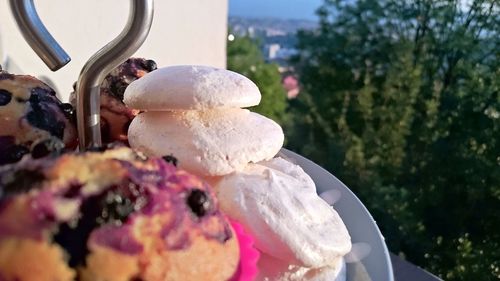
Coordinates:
<point>37,36</point>
<point>101,63</point>
<point>110,56</point>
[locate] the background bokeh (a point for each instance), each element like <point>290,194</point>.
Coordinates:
<point>400,100</point>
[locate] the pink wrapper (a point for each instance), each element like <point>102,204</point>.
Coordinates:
<point>249,256</point>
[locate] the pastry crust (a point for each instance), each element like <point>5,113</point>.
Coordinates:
<point>112,215</point>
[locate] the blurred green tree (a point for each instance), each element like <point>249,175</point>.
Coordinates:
<point>244,56</point>
<point>401,101</point>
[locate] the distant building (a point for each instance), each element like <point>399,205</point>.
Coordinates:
<point>272,51</point>
<point>286,53</point>
<point>291,85</point>
<point>274,32</point>
<point>251,31</point>
<point>278,54</point>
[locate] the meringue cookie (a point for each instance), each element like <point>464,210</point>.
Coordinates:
<point>272,269</point>
<point>207,143</point>
<point>189,87</point>
<point>276,202</point>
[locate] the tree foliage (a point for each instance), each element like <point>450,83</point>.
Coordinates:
<point>245,57</point>
<point>401,101</point>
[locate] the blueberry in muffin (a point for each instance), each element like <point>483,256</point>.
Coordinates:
<point>110,215</point>
<point>30,112</point>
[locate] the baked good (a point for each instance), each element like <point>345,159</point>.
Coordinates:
<point>191,87</point>
<point>118,215</point>
<point>112,215</point>
<point>207,143</point>
<point>115,115</point>
<point>31,113</point>
<point>190,116</point>
<point>277,203</point>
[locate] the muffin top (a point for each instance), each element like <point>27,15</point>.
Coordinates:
<point>110,199</point>
<point>30,112</point>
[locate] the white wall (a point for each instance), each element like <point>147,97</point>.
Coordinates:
<point>183,32</point>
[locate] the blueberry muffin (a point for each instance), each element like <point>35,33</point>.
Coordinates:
<point>30,113</point>
<point>115,116</point>
<point>111,215</point>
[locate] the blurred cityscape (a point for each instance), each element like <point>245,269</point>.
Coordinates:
<point>277,39</point>
<point>276,36</point>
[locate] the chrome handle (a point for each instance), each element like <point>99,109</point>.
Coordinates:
<point>110,56</point>
<point>37,36</point>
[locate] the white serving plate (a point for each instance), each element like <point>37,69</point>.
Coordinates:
<point>369,260</point>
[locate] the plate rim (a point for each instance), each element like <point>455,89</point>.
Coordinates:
<point>291,154</point>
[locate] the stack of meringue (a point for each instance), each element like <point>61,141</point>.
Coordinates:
<point>195,113</point>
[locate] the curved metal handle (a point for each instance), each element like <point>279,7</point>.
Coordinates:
<point>101,63</point>
<point>37,36</point>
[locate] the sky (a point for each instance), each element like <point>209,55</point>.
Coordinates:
<point>284,9</point>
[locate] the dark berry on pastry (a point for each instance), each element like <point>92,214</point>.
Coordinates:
<point>30,112</point>
<point>115,115</point>
<point>110,215</point>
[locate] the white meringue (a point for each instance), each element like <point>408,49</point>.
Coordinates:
<point>276,202</point>
<point>207,143</point>
<point>191,87</point>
